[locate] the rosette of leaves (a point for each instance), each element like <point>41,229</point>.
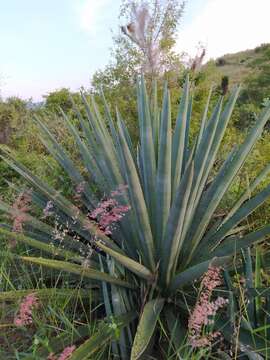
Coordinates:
<point>170,235</point>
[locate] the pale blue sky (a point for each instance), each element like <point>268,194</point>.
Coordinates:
<point>51,44</point>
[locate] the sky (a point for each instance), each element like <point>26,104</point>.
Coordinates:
<point>46,45</point>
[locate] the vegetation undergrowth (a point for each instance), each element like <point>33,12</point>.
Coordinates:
<point>137,233</point>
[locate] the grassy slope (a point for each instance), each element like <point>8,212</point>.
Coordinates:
<point>241,65</point>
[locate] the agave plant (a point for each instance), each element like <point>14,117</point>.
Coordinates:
<point>168,238</point>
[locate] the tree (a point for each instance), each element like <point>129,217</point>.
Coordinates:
<point>152,27</point>
<point>146,42</point>
<point>13,113</point>
<point>60,99</point>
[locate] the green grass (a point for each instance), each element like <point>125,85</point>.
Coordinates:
<point>64,317</point>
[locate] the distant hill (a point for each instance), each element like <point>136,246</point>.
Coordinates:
<point>250,68</point>
<point>242,64</point>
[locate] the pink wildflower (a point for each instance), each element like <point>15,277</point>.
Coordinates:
<point>109,211</point>
<point>21,207</point>
<point>205,308</point>
<point>24,316</point>
<point>211,279</point>
<point>66,353</point>
<point>119,191</point>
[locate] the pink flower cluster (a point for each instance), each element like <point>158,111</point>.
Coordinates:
<point>21,207</point>
<point>66,353</point>
<point>24,317</point>
<point>109,212</point>
<point>205,308</point>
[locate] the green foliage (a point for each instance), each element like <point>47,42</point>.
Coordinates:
<point>249,302</point>
<point>13,114</point>
<point>61,99</point>
<point>260,77</point>
<point>118,79</point>
<point>252,69</point>
<point>54,323</point>
<point>170,235</point>
<point>245,116</point>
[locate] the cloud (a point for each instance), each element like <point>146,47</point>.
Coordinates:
<point>91,14</point>
<point>226,26</point>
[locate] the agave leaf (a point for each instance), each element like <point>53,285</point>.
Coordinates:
<point>200,161</point>
<point>221,127</point>
<point>105,145</point>
<point>138,203</point>
<point>204,118</point>
<point>49,248</point>
<point>258,276</point>
<point>219,133</point>
<point>233,244</point>
<point>248,270</point>
<point>155,117</point>
<point>42,231</point>
<point>99,120</point>
<point>247,194</point>
<point>105,333</point>
<point>83,123</point>
<point>109,118</point>
<point>186,147</point>
<point>82,224</point>
<point>97,170</point>
<point>146,327</point>
<point>203,148</point>
<point>119,307</point>
<point>108,306</point>
<point>238,216</point>
<point>126,135</point>
<point>214,194</point>
<point>61,156</point>
<point>178,145</point>
<point>203,243</point>
<point>128,263</point>
<point>177,332</point>
<point>163,185</point>
<point>196,271</point>
<point>147,148</point>
<point>171,244</point>
<point>247,341</point>
<point>88,160</point>
<point>76,269</point>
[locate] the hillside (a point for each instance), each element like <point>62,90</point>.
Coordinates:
<point>251,68</point>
